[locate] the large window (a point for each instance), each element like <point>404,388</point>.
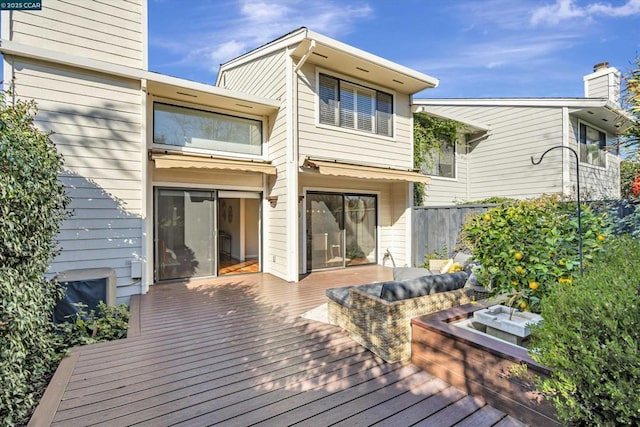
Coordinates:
<point>352,106</point>
<point>592,145</point>
<point>443,160</point>
<point>187,127</point>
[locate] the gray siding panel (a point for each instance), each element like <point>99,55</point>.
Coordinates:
<point>500,165</point>
<point>97,125</point>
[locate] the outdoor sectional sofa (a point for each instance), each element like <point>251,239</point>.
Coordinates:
<point>378,315</point>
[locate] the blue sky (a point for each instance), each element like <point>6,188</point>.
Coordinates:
<point>477,48</point>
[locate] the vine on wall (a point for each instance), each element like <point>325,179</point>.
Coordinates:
<point>429,136</point>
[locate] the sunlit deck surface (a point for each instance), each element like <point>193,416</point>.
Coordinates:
<point>234,351</point>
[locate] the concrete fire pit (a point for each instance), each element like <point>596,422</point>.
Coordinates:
<point>506,323</point>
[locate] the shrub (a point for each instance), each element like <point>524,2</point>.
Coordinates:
<point>629,171</point>
<point>526,248</point>
<point>489,201</point>
<point>628,224</point>
<point>109,323</point>
<point>32,205</point>
<point>590,339</point>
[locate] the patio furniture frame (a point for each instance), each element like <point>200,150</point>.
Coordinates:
<point>385,327</point>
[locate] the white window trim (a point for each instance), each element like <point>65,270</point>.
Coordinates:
<point>606,141</point>
<point>364,84</point>
<point>211,109</point>
<point>336,190</point>
<point>456,159</point>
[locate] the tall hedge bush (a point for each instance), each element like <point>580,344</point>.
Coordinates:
<point>32,205</point>
<point>590,338</point>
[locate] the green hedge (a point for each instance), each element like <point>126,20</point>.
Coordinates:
<point>32,205</point>
<point>590,338</point>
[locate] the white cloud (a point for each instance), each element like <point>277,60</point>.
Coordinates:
<point>563,10</point>
<point>632,7</point>
<point>516,52</point>
<point>248,24</point>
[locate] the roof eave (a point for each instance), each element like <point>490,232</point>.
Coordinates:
<point>418,80</point>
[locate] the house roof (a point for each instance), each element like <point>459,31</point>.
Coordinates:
<point>599,111</point>
<point>307,46</point>
<point>469,126</point>
<point>157,84</point>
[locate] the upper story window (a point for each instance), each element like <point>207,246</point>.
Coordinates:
<point>191,128</point>
<point>592,145</point>
<point>352,106</point>
<point>444,160</point>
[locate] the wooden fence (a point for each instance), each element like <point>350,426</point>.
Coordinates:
<point>438,227</point>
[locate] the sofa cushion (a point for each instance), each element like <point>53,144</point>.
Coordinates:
<point>425,285</point>
<point>341,295</point>
<point>406,273</point>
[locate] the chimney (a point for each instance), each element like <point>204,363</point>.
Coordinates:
<point>604,82</point>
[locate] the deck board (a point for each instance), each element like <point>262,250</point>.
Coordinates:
<point>235,351</point>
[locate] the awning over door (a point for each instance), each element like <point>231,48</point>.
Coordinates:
<point>185,161</point>
<point>327,167</point>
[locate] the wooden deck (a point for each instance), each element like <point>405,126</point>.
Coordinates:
<point>234,351</point>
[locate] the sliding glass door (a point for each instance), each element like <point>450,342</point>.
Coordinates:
<point>360,229</point>
<point>202,233</point>
<point>185,233</point>
<point>341,230</point>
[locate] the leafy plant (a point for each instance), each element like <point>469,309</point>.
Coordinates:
<point>436,254</point>
<point>529,247</point>
<point>109,323</point>
<point>629,172</point>
<point>630,223</point>
<point>631,100</point>
<point>32,205</point>
<point>429,135</point>
<point>489,200</point>
<point>590,339</point>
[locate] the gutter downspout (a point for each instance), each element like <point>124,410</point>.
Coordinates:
<point>293,239</point>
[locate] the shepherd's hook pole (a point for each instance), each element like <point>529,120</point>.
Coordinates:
<point>575,154</point>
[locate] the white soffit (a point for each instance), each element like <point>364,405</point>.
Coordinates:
<point>615,122</point>
<point>342,58</point>
<point>200,93</point>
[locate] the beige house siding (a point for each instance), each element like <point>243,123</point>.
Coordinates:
<point>501,162</point>
<point>393,212</point>
<point>107,31</point>
<point>598,87</point>
<point>595,182</point>
<point>97,126</point>
<point>323,141</point>
<point>266,77</point>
